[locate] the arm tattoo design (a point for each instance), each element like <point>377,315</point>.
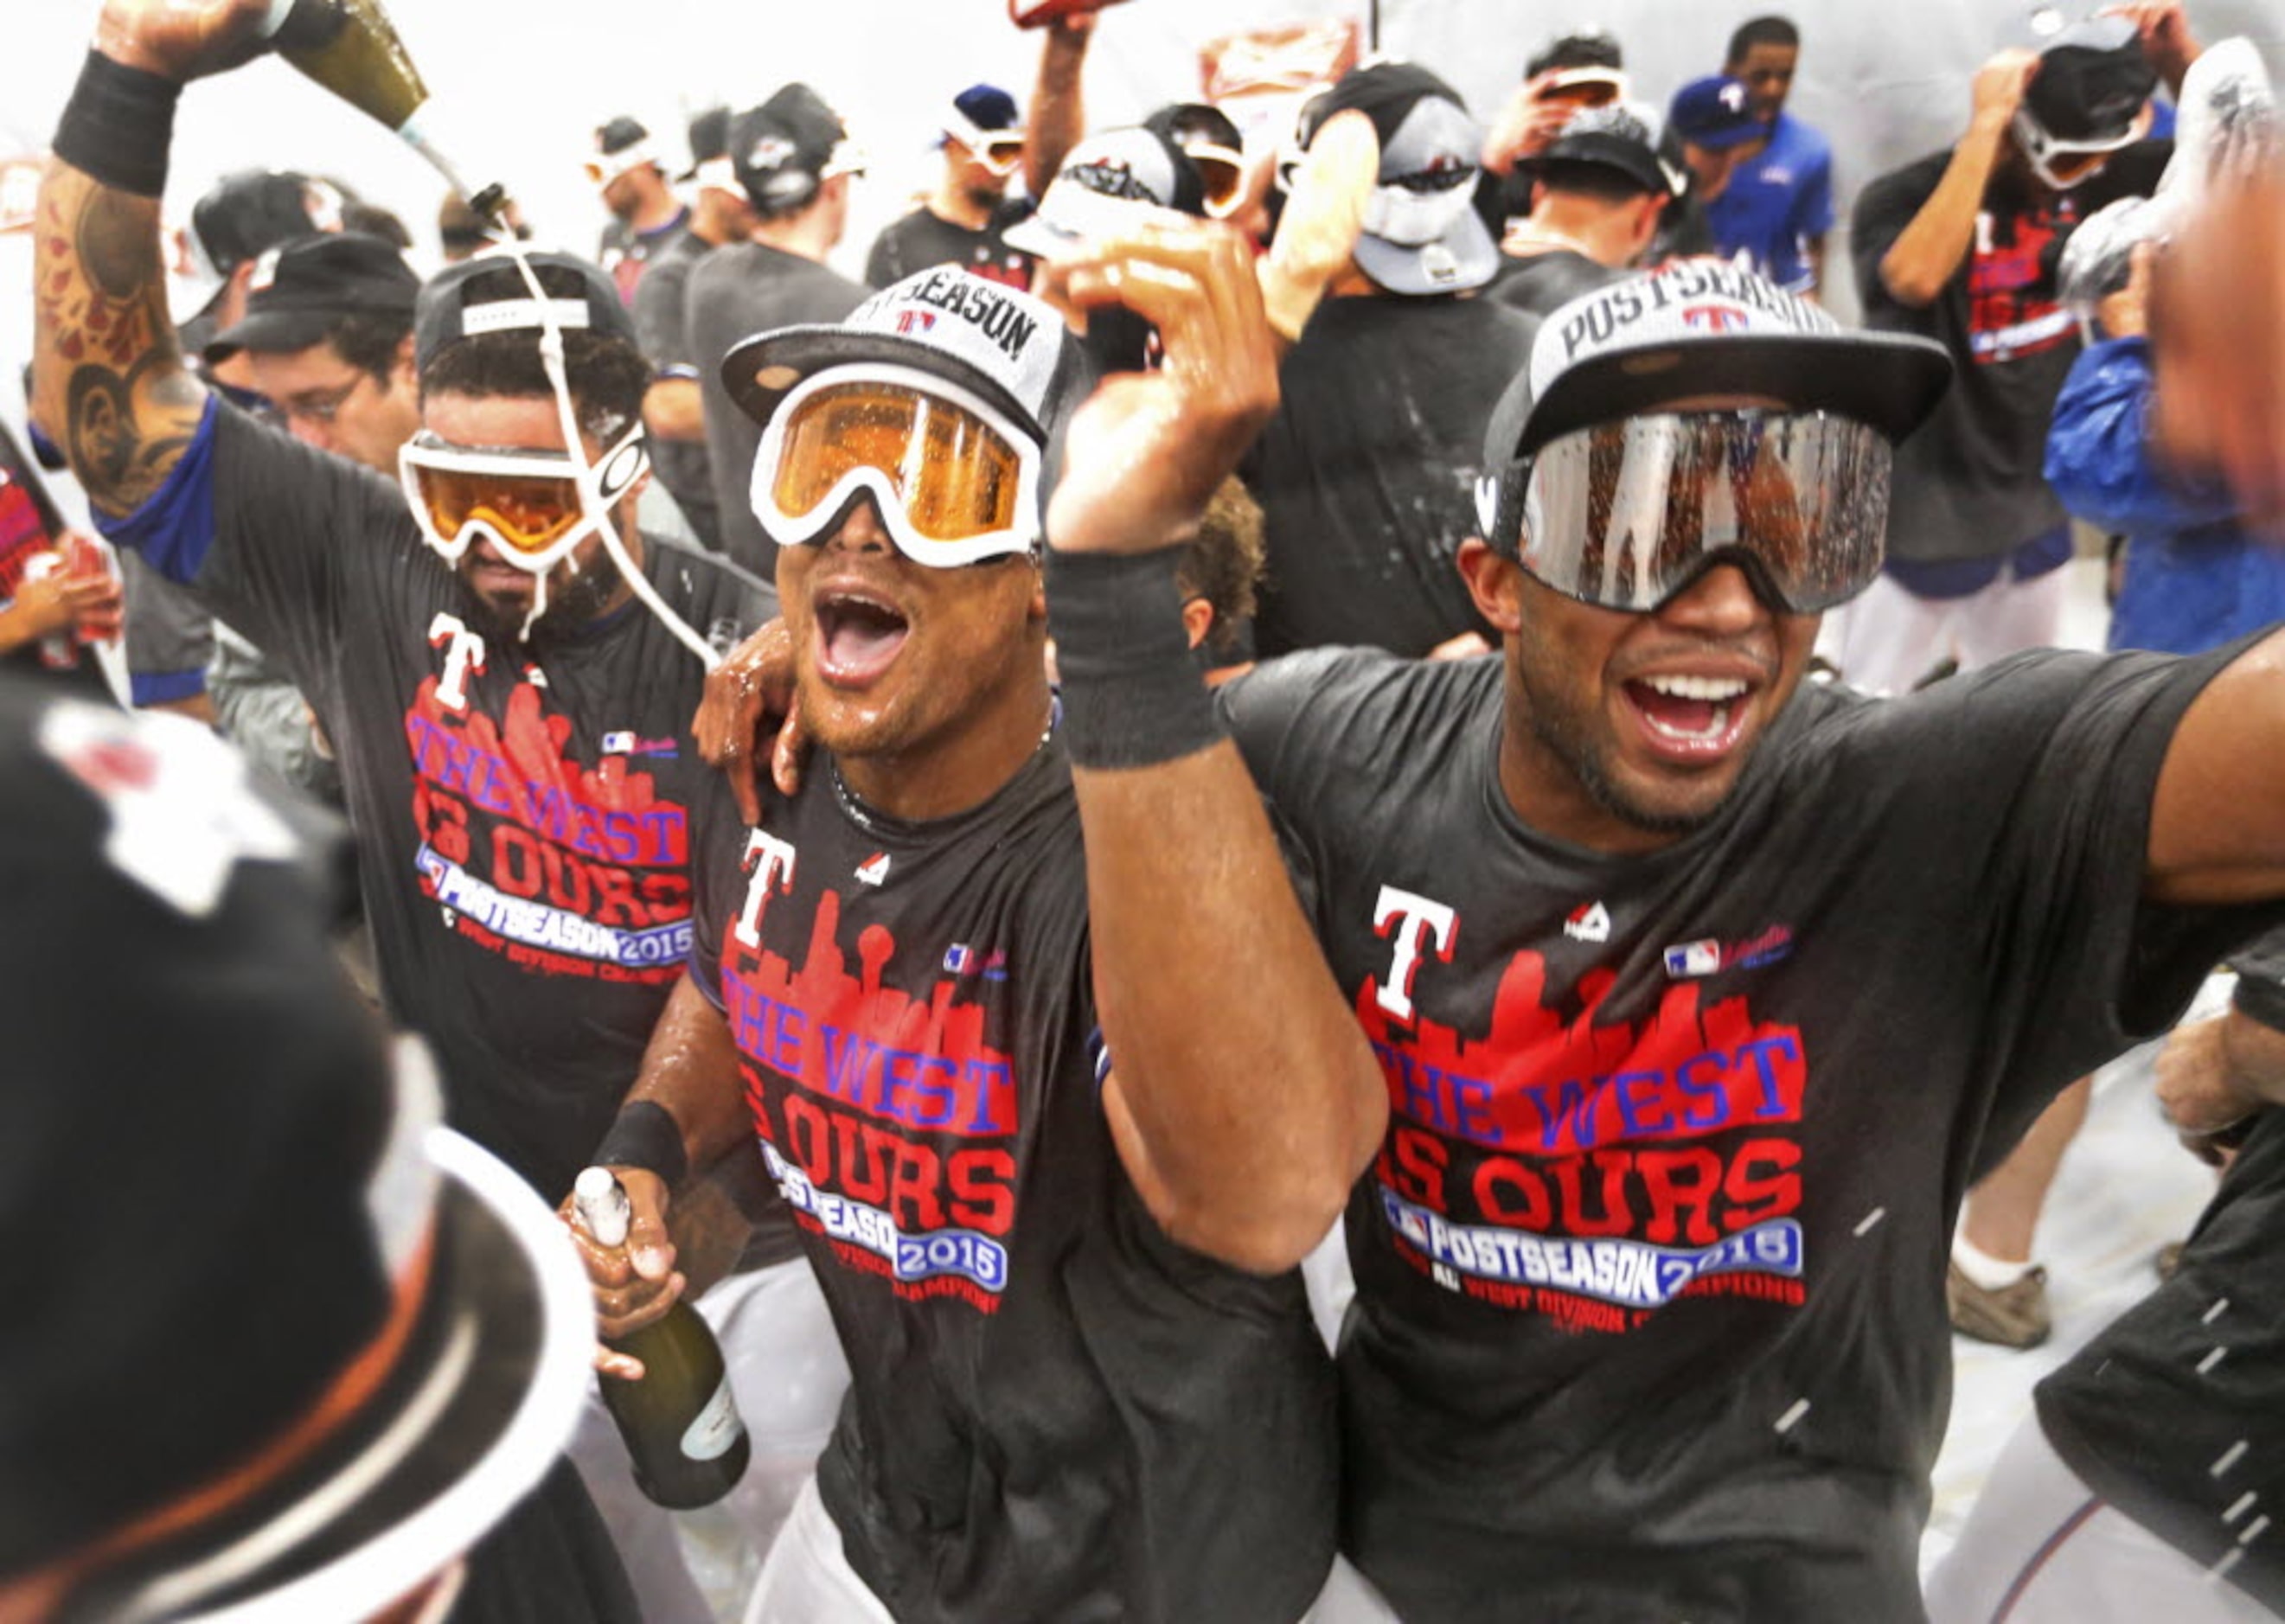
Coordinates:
<point>111,383</point>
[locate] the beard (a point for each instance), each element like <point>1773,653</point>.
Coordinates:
<point>573,600</point>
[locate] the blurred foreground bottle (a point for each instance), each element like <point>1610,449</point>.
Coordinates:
<point>351,48</point>
<point>680,1422</point>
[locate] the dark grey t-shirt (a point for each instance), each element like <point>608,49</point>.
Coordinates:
<point>1058,1413</point>
<point>663,330</point>
<point>1366,474</point>
<point>1650,1316</point>
<point>735,292</point>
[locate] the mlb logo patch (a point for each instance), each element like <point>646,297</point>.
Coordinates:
<point>1692,959</point>
<point>618,744</point>
<point>959,959</point>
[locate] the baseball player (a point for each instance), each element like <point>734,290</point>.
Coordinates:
<point>1080,1389</point>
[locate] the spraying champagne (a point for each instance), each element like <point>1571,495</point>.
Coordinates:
<point>352,49</point>
<point>680,1422</point>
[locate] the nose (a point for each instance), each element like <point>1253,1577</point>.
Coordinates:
<point>860,530</point>
<point>1720,603</point>
<point>310,430</point>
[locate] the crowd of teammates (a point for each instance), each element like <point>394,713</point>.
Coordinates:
<point>1519,1176</point>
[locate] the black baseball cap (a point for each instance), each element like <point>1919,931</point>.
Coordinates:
<point>301,290</point>
<point>2091,82</point>
<point>1701,328</point>
<point>444,314</point>
<point>242,216</point>
<point>785,148</point>
<point>279,1280</point>
<point>1421,233</point>
<point>998,342</point>
<point>1617,137</point>
<point>709,139</point>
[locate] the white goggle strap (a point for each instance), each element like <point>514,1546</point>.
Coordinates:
<point>596,512</point>
<point>800,530</point>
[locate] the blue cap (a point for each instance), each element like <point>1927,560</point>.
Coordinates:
<point>987,107</point>
<point>1714,113</point>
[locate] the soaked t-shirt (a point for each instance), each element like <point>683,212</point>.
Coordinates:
<point>1057,1413</point>
<point>1366,474</point>
<point>1650,1316</point>
<point>519,808</point>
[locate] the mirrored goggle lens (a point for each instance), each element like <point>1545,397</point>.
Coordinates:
<point>530,512</point>
<point>1624,515</point>
<point>954,475</point>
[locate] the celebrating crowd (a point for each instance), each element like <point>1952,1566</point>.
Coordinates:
<point>1326,870</point>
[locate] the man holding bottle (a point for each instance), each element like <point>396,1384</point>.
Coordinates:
<point>504,662</point>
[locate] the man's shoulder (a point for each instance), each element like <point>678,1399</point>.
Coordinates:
<point>685,575</point>
<point>1795,143</point>
<point>1355,707</point>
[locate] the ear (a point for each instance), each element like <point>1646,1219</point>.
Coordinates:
<point>1495,583</point>
<point>1197,619</point>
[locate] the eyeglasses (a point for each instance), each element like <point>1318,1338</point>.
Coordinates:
<point>956,480</point>
<point>319,406</point>
<point>534,506</point>
<point>1624,515</point>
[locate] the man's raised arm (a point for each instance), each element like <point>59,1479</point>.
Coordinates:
<point>109,376</point>
<point>1243,1096</point>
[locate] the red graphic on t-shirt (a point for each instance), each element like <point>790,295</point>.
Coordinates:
<point>562,868</point>
<point>2011,310</point>
<point>1592,1173</point>
<point>895,1141</point>
<point>1536,1082</point>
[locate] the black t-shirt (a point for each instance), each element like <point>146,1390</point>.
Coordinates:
<point>1650,1316</point>
<point>663,330</point>
<point>923,238</point>
<point>735,292</point>
<point>2175,1413</point>
<point>519,809</point>
<point>1969,483</point>
<point>1366,474</point>
<point>1542,282</point>
<point>1057,1412</point>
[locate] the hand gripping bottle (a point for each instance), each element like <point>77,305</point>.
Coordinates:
<point>680,1422</point>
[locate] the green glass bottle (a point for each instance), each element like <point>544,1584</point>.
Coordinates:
<point>680,1422</point>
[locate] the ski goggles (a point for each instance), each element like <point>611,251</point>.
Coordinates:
<point>999,151</point>
<point>956,480</point>
<point>2064,164</point>
<point>533,507</point>
<point>1221,173</point>
<point>1625,514</point>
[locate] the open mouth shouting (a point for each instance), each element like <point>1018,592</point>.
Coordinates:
<point>860,632</point>
<point>1691,719</point>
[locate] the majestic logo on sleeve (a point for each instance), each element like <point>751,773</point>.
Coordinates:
<point>1593,1173</point>
<point>887,1120</point>
<point>563,869</point>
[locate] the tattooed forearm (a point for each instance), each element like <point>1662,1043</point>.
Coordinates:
<point>108,372</point>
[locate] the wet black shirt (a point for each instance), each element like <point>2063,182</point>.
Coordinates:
<point>2175,1412</point>
<point>1057,1413</point>
<point>1366,474</point>
<point>519,810</point>
<point>923,238</point>
<point>1650,1317</point>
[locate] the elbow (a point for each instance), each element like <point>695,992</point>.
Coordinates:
<point>1268,1237</point>
<point>1909,287</point>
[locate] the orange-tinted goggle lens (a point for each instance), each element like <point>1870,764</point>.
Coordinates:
<point>1224,178</point>
<point>530,512</point>
<point>954,474</point>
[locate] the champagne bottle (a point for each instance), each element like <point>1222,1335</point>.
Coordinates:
<point>352,49</point>
<point>680,1422</point>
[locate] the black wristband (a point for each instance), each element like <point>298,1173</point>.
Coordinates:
<point>1132,693</point>
<point>645,1135</point>
<point>118,125</point>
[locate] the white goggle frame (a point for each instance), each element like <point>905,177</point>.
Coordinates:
<point>601,485</point>
<point>801,530</point>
